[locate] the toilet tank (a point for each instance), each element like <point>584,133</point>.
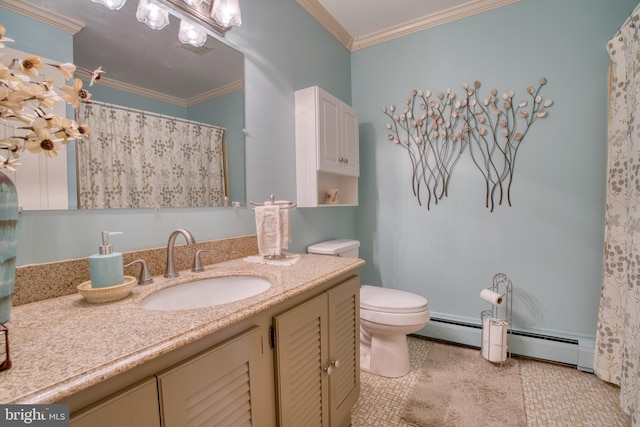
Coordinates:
<point>340,247</point>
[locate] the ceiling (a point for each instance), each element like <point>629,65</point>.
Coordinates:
<point>362,23</point>
<point>146,60</point>
<point>135,58</point>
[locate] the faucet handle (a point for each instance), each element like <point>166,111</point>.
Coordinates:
<point>145,275</point>
<point>197,263</point>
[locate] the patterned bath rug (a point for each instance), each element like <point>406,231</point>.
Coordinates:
<point>457,387</point>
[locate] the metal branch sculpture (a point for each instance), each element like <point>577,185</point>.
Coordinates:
<point>435,131</point>
<point>427,129</point>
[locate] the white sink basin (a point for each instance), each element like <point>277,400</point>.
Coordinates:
<point>205,293</point>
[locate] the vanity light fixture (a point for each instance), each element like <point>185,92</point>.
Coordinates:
<point>226,12</point>
<point>215,15</point>
<point>152,15</point>
<point>112,4</point>
<point>191,34</point>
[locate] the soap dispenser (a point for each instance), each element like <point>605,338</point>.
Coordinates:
<point>105,267</point>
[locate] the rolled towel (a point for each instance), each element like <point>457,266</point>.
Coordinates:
<point>269,230</point>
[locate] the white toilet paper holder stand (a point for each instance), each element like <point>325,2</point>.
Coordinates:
<point>501,315</point>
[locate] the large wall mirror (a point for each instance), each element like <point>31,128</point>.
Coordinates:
<point>151,71</point>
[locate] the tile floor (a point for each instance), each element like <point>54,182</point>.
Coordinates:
<point>554,395</point>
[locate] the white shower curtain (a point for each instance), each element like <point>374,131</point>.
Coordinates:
<point>617,354</point>
<point>137,159</point>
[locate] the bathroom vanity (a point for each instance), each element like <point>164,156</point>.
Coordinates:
<point>288,356</point>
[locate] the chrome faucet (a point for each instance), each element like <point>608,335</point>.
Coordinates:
<point>171,264</point>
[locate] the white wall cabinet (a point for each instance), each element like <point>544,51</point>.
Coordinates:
<point>327,148</point>
<point>317,359</point>
<point>337,135</point>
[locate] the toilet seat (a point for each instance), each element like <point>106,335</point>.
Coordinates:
<point>386,300</point>
<point>392,307</point>
<point>394,319</point>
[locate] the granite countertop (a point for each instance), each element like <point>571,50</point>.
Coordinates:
<point>63,345</point>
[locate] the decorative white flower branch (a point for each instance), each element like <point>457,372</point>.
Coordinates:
<point>26,100</point>
<point>436,130</point>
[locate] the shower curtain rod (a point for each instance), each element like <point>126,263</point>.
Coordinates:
<point>121,107</point>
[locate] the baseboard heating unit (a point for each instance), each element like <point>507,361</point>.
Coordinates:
<point>571,350</point>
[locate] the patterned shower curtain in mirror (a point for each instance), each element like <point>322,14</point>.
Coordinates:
<point>617,353</point>
<point>137,159</point>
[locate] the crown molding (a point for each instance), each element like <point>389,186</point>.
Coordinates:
<point>429,21</point>
<point>215,93</point>
<point>30,10</point>
<point>126,87</point>
<point>473,7</point>
<point>158,96</point>
<point>321,15</point>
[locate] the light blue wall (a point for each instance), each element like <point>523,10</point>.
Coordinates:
<point>58,45</point>
<point>550,241</point>
<point>286,50</point>
<point>228,111</point>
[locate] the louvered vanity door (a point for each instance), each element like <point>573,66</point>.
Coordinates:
<point>301,358</point>
<point>344,348</point>
<point>221,387</point>
<point>318,359</point>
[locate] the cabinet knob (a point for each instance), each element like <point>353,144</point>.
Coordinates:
<point>341,159</point>
<point>346,160</point>
<point>335,364</point>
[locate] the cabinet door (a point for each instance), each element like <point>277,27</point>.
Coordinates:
<point>220,387</point>
<point>301,359</point>
<point>344,350</point>
<point>133,407</point>
<point>330,136</point>
<point>350,154</point>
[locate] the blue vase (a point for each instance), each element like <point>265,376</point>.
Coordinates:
<point>8,243</point>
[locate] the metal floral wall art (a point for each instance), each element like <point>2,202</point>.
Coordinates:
<point>437,129</point>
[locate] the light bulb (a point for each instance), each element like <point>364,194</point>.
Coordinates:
<point>111,4</point>
<point>152,15</point>
<point>226,12</point>
<point>191,34</point>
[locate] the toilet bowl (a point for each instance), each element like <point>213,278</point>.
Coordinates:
<point>386,317</point>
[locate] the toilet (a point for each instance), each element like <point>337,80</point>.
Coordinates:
<point>386,317</point>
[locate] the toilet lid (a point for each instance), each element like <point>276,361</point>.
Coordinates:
<point>387,300</point>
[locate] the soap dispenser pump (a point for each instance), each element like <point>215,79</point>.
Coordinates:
<point>105,267</point>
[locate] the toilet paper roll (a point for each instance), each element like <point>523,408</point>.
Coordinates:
<point>494,340</point>
<point>492,297</point>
